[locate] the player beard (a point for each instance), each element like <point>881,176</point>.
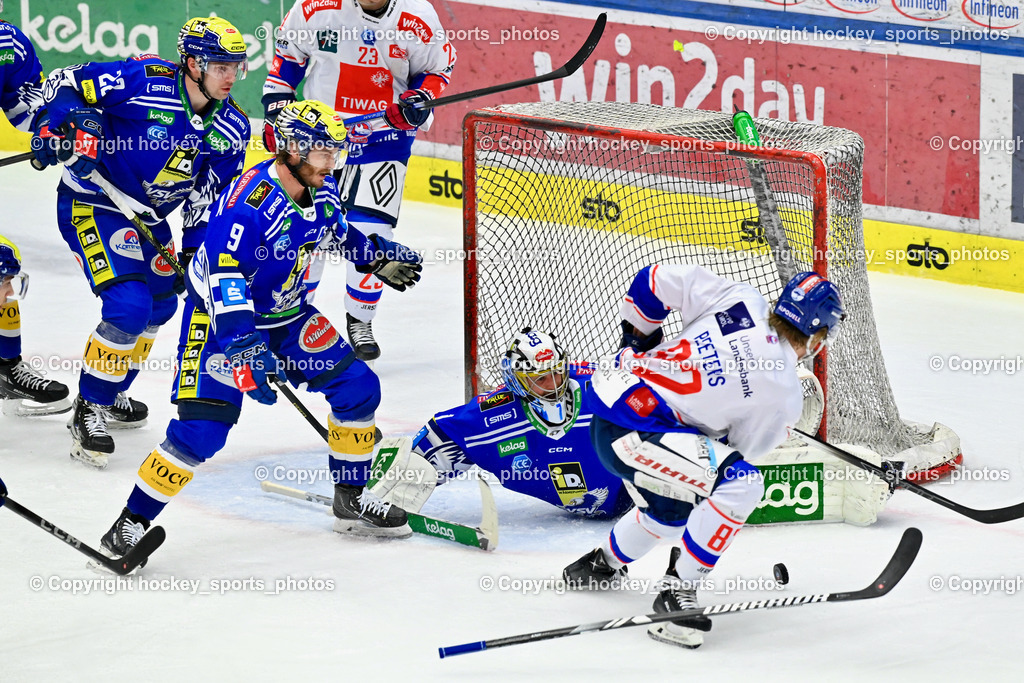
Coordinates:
<point>311,176</point>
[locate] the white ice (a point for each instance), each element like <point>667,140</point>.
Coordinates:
<point>394,603</point>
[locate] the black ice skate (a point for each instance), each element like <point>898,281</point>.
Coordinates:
<point>127,413</point>
<point>592,572</point>
<point>677,595</point>
<point>360,336</point>
<point>124,535</point>
<point>359,512</point>
<point>25,392</point>
<point>91,442</point>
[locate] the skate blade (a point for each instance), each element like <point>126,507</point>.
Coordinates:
<point>117,424</point>
<point>676,635</point>
<point>22,407</point>
<point>90,458</point>
<point>357,527</point>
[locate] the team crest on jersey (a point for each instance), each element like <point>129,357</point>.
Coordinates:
<point>368,37</point>
<point>567,478</point>
<point>359,133</point>
<point>492,401</point>
<point>126,243</point>
<point>166,193</point>
<point>159,71</point>
<point>318,334</point>
<point>589,503</point>
<point>736,318</point>
<point>259,194</point>
<point>381,78</point>
<point>327,40</point>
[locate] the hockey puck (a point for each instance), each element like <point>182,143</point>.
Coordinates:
<point>781,573</point>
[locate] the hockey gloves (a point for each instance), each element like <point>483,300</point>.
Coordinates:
<point>251,362</point>
<point>640,343</point>
<point>76,142</point>
<point>272,106</point>
<point>45,145</point>
<point>403,116</point>
<point>394,264</point>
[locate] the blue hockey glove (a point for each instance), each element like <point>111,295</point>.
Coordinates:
<point>640,343</point>
<point>45,145</point>
<point>396,265</point>
<point>83,133</point>
<point>403,116</point>
<point>251,362</point>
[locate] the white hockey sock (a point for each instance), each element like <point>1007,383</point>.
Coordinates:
<point>634,536</point>
<point>714,523</point>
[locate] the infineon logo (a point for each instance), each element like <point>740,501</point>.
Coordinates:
<point>924,10</point>
<point>992,15</point>
<point>793,493</point>
<point>511,447</point>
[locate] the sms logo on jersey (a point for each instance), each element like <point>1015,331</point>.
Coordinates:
<point>232,291</point>
<point>126,243</point>
<point>567,478</point>
<point>408,22</point>
<point>317,335</point>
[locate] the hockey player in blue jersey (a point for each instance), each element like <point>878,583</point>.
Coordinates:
<point>166,135</point>
<point>533,433</point>
<point>23,390</point>
<point>681,419</point>
<point>248,307</point>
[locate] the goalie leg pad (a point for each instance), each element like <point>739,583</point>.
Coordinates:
<point>400,476</point>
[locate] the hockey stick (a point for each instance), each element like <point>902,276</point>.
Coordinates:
<point>122,565</point>
<point>566,69</point>
<point>484,536</point>
<point>896,480</point>
<point>121,202</point>
<point>767,208</point>
<point>897,568</point>
<point>17,158</point>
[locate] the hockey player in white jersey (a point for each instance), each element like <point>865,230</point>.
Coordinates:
<point>682,419</point>
<point>363,56</point>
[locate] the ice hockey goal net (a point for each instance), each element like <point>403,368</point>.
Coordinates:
<point>566,201</point>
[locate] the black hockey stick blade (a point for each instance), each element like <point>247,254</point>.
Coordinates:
<point>566,69</point>
<point>146,545</point>
<point>895,570</point>
<point>893,478</point>
<point>153,539</point>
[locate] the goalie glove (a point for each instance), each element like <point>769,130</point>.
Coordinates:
<point>640,343</point>
<point>396,265</point>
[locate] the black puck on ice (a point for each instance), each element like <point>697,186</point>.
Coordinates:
<point>781,573</point>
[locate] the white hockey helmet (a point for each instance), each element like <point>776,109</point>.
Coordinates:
<point>535,367</point>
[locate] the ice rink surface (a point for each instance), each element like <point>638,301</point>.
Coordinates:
<point>251,586</point>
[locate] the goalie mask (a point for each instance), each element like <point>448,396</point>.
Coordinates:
<point>536,368</point>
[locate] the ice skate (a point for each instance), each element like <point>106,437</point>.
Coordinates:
<point>359,512</point>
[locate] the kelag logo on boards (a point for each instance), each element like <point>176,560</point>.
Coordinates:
<point>992,15</point>
<point>924,10</point>
<point>854,6</point>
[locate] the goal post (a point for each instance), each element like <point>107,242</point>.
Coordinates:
<point>565,201</point>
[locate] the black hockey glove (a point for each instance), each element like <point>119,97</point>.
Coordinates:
<point>402,115</point>
<point>396,265</point>
<point>82,147</point>
<point>640,343</point>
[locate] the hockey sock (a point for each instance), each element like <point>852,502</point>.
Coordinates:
<point>635,535</point>
<point>107,358</point>
<point>714,523</point>
<point>161,476</point>
<point>10,330</point>
<point>351,444</point>
<point>364,289</point>
<point>143,345</point>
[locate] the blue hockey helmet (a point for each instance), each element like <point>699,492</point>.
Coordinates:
<point>811,303</point>
<point>531,358</point>
<point>10,268</point>
<point>212,39</point>
<point>309,125</point>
